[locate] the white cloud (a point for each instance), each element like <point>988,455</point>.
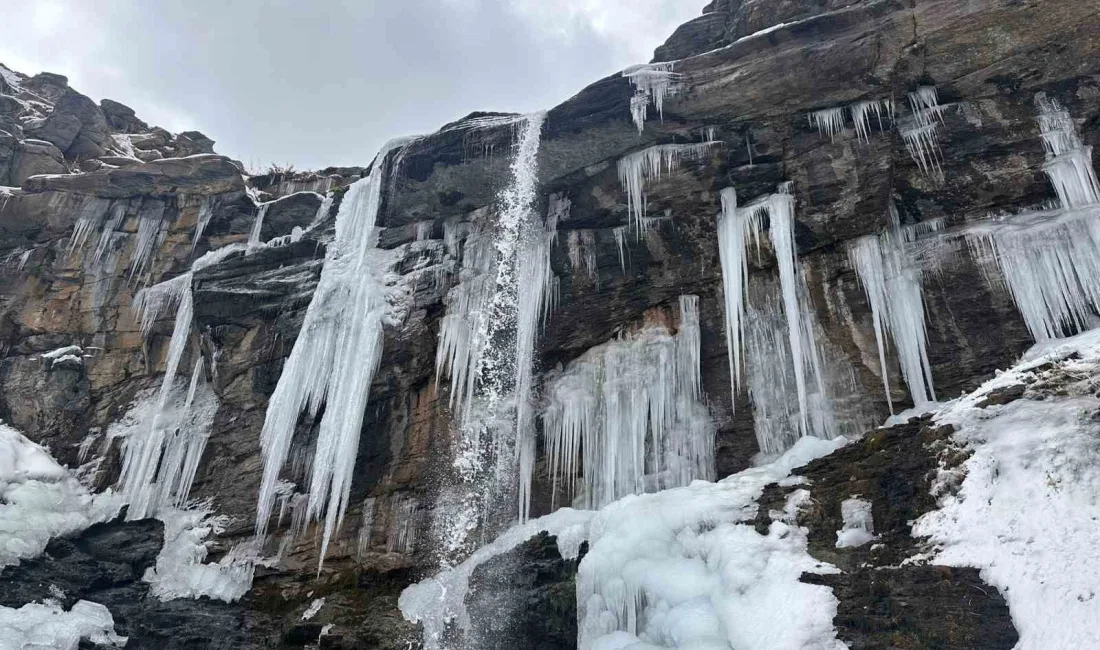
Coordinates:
<point>288,81</point>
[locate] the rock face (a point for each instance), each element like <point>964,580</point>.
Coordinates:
<point>750,91</point>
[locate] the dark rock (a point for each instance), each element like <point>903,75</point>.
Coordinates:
<point>286,213</point>
<point>526,598</point>
<point>105,564</point>
<point>206,174</point>
<point>76,126</point>
<point>886,603</point>
<point>36,157</point>
<point>121,117</point>
<point>1001,396</point>
<point>190,143</point>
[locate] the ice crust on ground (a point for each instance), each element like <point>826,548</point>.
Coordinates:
<point>40,500</point>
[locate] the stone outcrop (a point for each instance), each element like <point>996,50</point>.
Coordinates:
<point>752,91</point>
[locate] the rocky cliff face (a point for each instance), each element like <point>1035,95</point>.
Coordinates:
<point>98,204</point>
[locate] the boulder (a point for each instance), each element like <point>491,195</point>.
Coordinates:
<point>36,157</point>
<point>190,143</point>
<point>154,138</point>
<point>76,126</point>
<point>48,85</point>
<point>121,117</point>
<point>205,174</point>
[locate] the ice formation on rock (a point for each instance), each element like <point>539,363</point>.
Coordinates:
<point>640,167</point>
<point>164,435</point>
<point>206,213</point>
<point>256,231</point>
<point>736,229</point>
<point>502,295</point>
<point>859,525</point>
<point>180,572</point>
<point>47,626</point>
<point>653,83</point>
<point>40,500</point>
<point>1051,259</point>
<point>630,413</point>
<point>894,287</point>
<point>440,601</point>
<point>921,130</point>
<point>861,116</point>
<point>751,338</point>
<point>333,361</point>
<point>828,121</point>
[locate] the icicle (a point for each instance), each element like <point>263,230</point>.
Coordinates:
<point>163,450</point>
<point>106,235</point>
<point>629,413</point>
<point>536,284</point>
<point>637,168</point>
<point>404,527</point>
<point>333,362</point>
<point>91,218</point>
<point>653,83</point>
<point>861,116</point>
<point>893,285</point>
<point>150,303</point>
<point>1051,261</point>
<point>366,525</point>
<point>922,132</point>
<point>258,226</point>
<point>206,213</point>
<point>735,229</point>
<point>620,242</point>
<point>829,121</point>
<point>150,235</point>
<point>424,231</point>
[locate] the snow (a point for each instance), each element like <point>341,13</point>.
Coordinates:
<point>640,167</point>
<point>40,500</point>
<point>1027,510</point>
<point>859,527</point>
<point>683,569</point>
<point>48,627</point>
<point>630,414</point>
<point>73,353</point>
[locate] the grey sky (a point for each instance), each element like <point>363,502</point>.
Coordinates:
<point>326,83</point>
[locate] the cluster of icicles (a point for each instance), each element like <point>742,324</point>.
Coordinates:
<point>627,417</point>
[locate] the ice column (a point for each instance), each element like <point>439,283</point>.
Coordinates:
<point>895,291</point>
<point>333,361</point>
<point>1051,260</point>
<point>630,413</point>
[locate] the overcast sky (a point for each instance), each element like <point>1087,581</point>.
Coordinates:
<point>318,83</point>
